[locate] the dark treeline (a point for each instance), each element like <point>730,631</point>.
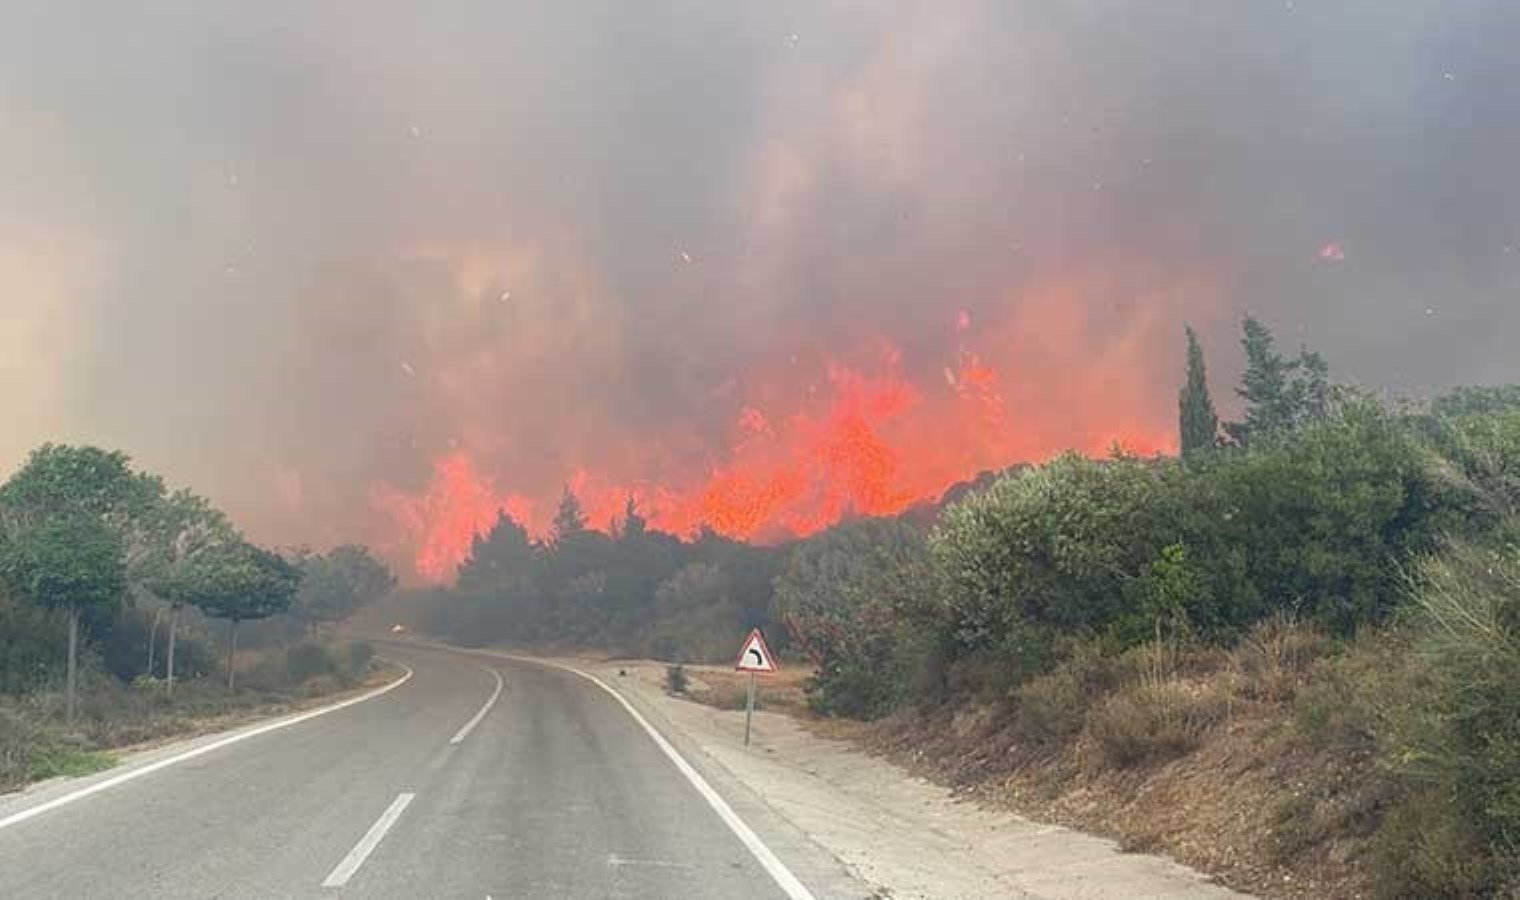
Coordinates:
<point>636,590</point>
<point>1323,511</point>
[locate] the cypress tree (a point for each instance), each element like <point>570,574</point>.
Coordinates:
<point>1198,423</point>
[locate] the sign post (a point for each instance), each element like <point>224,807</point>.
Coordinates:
<point>754,656</point>
<point>749,708</point>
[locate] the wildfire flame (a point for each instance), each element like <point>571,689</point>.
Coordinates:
<point>863,440</point>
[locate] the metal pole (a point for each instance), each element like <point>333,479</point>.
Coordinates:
<point>749,708</point>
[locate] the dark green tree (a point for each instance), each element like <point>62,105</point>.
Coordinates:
<point>570,519</point>
<point>634,524</point>
<point>1281,394</point>
<point>1199,425</point>
<point>177,531</point>
<point>239,583</point>
<point>68,561</point>
<point>1264,386</point>
<point>72,519</point>
<point>336,584</point>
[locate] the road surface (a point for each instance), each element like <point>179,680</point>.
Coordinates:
<point>474,778</point>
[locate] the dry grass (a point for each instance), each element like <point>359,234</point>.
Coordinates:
<point>35,744</point>
<point>1155,721</point>
<point>723,688</point>
<point>1273,661</point>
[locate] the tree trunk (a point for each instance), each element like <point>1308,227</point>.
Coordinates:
<point>153,638</point>
<point>73,659</point>
<point>173,624</point>
<point>231,657</point>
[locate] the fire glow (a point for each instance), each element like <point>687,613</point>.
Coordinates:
<point>858,440</point>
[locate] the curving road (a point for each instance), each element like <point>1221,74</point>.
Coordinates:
<point>474,778</point>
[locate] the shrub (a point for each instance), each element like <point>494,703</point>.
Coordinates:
<point>31,642</point>
<point>360,654</point>
<point>1154,721</point>
<point>1455,737</point>
<point>1427,847</point>
<point>269,673</point>
<point>306,661</point>
<point>1272,661</point>
<point>675,679</point>
<point>1051,709</point>
<point>1048,551</point>
<point>319,685</point>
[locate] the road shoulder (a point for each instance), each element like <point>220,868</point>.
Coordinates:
<point>901,834</point>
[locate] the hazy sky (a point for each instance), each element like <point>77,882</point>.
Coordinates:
<point>293,254</point>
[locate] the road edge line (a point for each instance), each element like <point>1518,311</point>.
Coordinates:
<point>469,726</point>
<point>788,882</point>
<point>17,818</point>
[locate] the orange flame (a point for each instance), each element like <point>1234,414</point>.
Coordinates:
<point>864,441</point>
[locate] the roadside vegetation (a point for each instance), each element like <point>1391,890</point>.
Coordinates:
<point>1298,641</point>
<point>130,613</point>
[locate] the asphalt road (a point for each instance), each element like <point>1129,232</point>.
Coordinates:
<point>555,790</point>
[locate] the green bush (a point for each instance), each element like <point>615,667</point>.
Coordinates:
<point>1049,551</point>
<point>306,661</point>
<point>846,596</point>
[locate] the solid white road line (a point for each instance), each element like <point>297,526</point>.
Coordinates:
<point>368,843</point>
<point>123,778</point>
<point>470,725</point>
<point>768,860</point>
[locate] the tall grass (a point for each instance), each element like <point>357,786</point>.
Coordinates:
<point>1453,737</point>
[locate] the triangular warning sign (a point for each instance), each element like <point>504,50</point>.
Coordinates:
<point>755,656</point>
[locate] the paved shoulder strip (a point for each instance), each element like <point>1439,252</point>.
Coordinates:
<point>772,864</point>
<point>235,737</point>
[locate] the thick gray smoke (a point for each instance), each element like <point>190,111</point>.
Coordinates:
<point>288,252</point>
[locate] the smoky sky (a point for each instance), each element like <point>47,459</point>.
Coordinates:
<point>286,252</point>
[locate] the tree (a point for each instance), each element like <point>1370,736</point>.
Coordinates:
<point>1264,385</point>
<point>570,519</point>
<point>837,594</point>
<point>71,520</point>
<point>504,553</point>
<point>178,531</point>
<point>68,561</point>
<point>241,582</point>
<point>634,525</point>
<point>335,585</point>
<point>1281,394</point>
<point>1199,425</point>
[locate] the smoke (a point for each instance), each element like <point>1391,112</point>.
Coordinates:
<point>364,272</point>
